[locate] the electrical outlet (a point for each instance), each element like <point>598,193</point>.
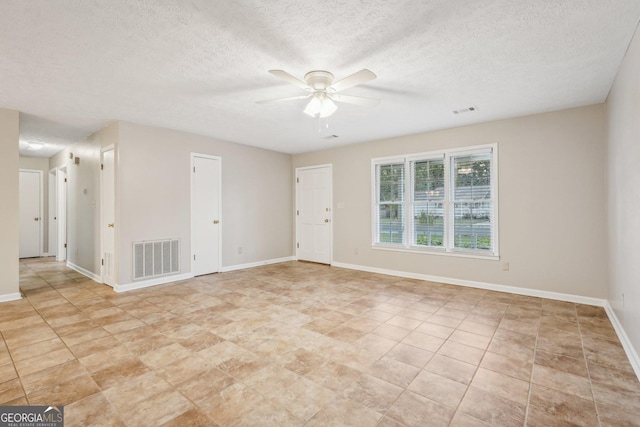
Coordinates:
<point>623,300</point>
<point>505,266</point>
<point>355,251</point>
<point>239,250</point>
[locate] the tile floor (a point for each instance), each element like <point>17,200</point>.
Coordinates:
<point>298,344</point>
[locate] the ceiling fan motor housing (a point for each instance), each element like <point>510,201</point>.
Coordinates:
<point>319,80</point>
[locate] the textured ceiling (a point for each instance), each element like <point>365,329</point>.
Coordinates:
<point>73,66</point>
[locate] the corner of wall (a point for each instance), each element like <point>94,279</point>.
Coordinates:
<point>622,179</point>
<point>9,208</point>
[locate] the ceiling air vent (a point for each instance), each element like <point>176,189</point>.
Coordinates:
<point>465,110</point>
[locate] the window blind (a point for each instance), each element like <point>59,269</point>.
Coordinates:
<point>428,202</point>
<point>441,201</point>
<point>390,203</point>
<point>472,201</point>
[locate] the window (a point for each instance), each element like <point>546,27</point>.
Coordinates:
<point>442,201</point>
<point>390,207</point>
<point>428,202</point>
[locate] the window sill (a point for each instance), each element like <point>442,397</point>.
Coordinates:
<point>441,252</point>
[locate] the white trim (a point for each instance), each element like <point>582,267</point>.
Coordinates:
<point>219,159</point>
<point>41,173</point>
<point>296,207</point>
<point>257,264</point>
<point>631,352</point>
<point>61,212</point>
<point>84,272</point>
<point>40,210</point>
<point>632,355</point>
<point>186,276</point>
<point>152,282</point>
<point>45,254</point>
<point>495,183</point>
<point>10,297</point>
<point>433,251</point>
<point>103,225</point>
<point>52,213</point>
<point>480,285</point>
<point>375,183</point>
<point>408,202</point>
<point>327,165</point>
<point>101,220</point>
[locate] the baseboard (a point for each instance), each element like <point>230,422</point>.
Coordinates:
<point>169,279</point>
<point>152,282</point>
<point>480,285</point>
<point>45,254</point>
<point>632,354</point>
<point>256,264</point>
<point>10,297</point>
<point>84,272</point>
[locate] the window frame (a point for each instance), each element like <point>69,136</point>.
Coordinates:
<point>410,161</point>
<point>377,203</point>
<point>409,223</point>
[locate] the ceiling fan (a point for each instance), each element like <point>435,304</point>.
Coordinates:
<point>323,92</point>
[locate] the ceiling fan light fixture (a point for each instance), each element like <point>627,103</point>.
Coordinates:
<point>321,106</point>
<point>323,91</point>
<point>313,107</point>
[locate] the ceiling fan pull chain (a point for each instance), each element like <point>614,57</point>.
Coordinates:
<point>326,123</point>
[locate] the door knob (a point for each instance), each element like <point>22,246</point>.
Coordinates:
<point>110,225</point>
<point>215,221</point>
<point>326,220</point>
<point>36,219</point>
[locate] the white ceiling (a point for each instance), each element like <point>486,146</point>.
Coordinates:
<point>73,66</point>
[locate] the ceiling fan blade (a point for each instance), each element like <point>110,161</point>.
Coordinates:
<point>288,77</point>
<point>271,101</point>
<point>356,100</point>
<point>358,78</point>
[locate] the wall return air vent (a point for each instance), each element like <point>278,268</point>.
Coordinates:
<point>153,258</point>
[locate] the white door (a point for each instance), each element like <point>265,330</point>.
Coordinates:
<point>205,214</point>
<point>30,213</point>
<point>108,217</point>
<point>61,190</point>
<point>53,215</point>
<point>314,214</point>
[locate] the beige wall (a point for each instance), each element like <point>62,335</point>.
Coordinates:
<point>153,189</point>
<point>551,202</point>
<point>9,238</point>
<point>153,196</point>
<point>83,197</point>
<point>623,182</point>
<point>41,164</point>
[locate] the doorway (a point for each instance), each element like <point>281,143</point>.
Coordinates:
<point>107,216</point>
<point>314,214</point>
<point>30,209</point>
<point>206,196</point>
<point>61,213</point>
<point>52,219</point>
